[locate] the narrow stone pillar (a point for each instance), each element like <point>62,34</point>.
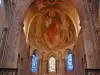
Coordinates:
<point>57,66</point>
<point>46,66</point>
<point>60,63</point>
<point>63,66</point>
<point>40,67</point>
<point>29,71</point>
<point>77,59</point>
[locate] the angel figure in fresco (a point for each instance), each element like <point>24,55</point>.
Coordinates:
<point>52,34</point>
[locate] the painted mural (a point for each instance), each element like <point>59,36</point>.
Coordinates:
<point>52,29</point>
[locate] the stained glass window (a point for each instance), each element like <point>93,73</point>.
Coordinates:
<point>52,64</point>
<point>34,62</point>
<point>69,61</point>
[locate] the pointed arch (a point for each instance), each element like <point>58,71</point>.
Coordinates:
<point>69,60</point>
<point>34,67</point>
<point>52,63</point>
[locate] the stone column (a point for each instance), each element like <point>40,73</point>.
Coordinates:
<point>63,66</point>
<point>60,63</point>
<point>2,46</point>
<point>97,33</point>
<point>89,44</point>
<point>12,42</point>
<point>76,60</point>
<point>95,25</point>
<point>40,67</point>
<point>98,47</point>
<point>60,67</point>
<point>57,66</point>
<point>29,65</point>
<point>44,67</point>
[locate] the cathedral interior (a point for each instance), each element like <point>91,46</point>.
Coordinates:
<point>49,37</point>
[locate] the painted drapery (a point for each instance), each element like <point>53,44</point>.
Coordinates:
<point>52,29</point>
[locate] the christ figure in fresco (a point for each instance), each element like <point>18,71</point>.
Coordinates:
<point>52,35</point>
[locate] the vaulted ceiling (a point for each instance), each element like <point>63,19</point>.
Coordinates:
<point>51,24</point>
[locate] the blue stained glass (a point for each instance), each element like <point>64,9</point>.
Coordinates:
<point>70,67</point>
<point>34,63</point>
<point>69,62</point>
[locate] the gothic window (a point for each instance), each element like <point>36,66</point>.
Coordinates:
<point>34,62</point>
<point>69,61</point>
<point>52,64</point>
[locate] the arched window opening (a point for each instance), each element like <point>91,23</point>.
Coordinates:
<point>34,61</point>
<point>52,64</point>
<point>0,1</point>
<point>69,61</point>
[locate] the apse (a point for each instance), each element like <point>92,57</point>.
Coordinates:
<point>51,25</point>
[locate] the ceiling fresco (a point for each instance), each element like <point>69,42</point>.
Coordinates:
<point>49,26</point>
